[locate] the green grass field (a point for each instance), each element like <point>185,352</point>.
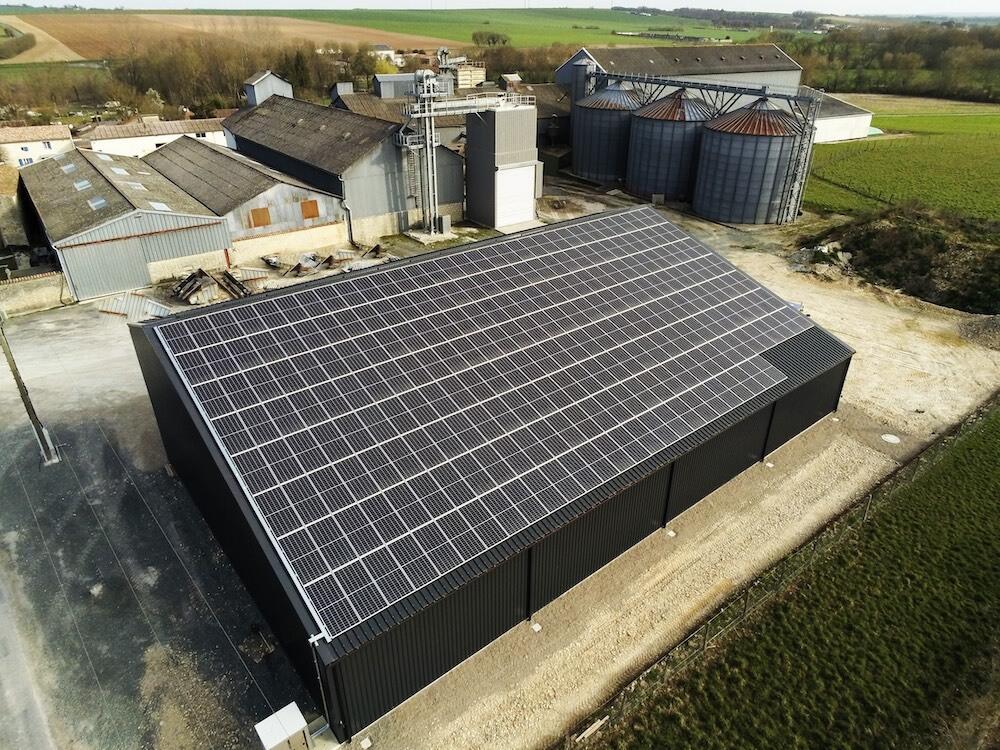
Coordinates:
<point>944,159</point>
<point>526,27</point>
<point>885,638</point>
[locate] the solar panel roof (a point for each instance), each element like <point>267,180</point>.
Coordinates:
<point>390,426</point>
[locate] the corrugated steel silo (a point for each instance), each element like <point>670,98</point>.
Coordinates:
<point>600,134</point>
<point>663,146</point>
<point>746,165</point>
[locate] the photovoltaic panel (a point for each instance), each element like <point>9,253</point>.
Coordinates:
<point>392,425</point>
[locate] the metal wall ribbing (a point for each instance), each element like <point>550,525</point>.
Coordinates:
<point>385,672</point>
<point>661,157</point>
<point>114,257</point>
<point>716,461</point>
<point>743,179</point>
<point>563,559</point>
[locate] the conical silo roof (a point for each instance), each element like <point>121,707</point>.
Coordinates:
<point>758,118</point>
<point>680,106</point>
<point>612,97</point>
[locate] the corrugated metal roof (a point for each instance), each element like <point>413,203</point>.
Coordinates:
<point>757,118</point>
<point>328,138</point>
<point>34,133</point>
<point>680,106</point>
<point>703,59</point>
<point>613,97</point>
<point>831,106</point>
<point>162,127</point>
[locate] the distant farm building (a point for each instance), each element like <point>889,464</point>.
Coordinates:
<point>21,146</point>
<point>263,84</point>
<point>140,138</point>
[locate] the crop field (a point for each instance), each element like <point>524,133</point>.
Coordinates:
<point>946,159</point>
<point>528,27</point>
<point>100,36</point>
<point>886,641</point>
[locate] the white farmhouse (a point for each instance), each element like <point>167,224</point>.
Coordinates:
<point>140,138</point>
<point>21,146</point>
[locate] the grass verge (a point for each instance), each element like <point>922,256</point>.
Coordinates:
<point>886,641</point>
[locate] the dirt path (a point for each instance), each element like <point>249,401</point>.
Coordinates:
<point>47,48</point>
<point>913,375</point>
<point>275,28</point>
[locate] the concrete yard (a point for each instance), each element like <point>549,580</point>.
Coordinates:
<point>123,625</point>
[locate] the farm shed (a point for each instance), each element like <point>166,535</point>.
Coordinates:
<point>262,84</point>
<point>256,201</point>
<point>838,120</point>
<point>349,155</point>
<point>140,138</point>
<point>115,223</point>
<point>408,461</point>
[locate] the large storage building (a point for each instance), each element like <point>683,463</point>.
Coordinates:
<point>349,155</point>
<point>261,206</point>
<point>406,462</point>
<point>115,224</point>
<point>738,64</point>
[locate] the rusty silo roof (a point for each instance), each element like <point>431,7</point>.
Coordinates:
<point>612,97</point>
<point>759,118</point>
<point>679,106</point>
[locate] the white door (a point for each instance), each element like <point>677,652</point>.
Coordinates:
<point>515,195</point>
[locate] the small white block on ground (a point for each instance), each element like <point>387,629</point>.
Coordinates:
<point>285,729</point>
<point>536,627</point>
<point>890,438</point>
<point>671,533</point>
<point>769,465</point>
<point>366,743</point>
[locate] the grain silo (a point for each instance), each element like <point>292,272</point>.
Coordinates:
<point>600,134</point>
<point>663,146</point>
<point>746,166</point>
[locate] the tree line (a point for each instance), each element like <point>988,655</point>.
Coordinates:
<point>911,59</point>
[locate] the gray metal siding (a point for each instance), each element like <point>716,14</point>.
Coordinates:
<point>258,93</point>
<point>805,406</point>
<point>388,670</point>
<point>715,462</point>
<point>600,144</point>
<point>378,183</point>
<point>114,257</point>
<point>662,155</point>
<point>568,556</point>
<point>283,203</point>
<point>744,179</point>
<point>564,73</point>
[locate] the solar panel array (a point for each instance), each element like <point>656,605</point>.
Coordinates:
<point>390,426</point>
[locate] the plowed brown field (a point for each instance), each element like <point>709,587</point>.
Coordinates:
<point>46,49</point>
<point>97,36</point>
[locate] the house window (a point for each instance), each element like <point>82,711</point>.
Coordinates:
<point>24,148</point>
<point>310,209</point>
<point>119,170</point>
<point>157,206</point>
<point>81,185</point>
<point>200,135</point>
<point>96,203</point>
<point>47,144</point>
<point>24,162</point>
<point>260,217</point>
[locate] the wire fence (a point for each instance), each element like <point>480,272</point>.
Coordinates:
<point>740,606</point>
